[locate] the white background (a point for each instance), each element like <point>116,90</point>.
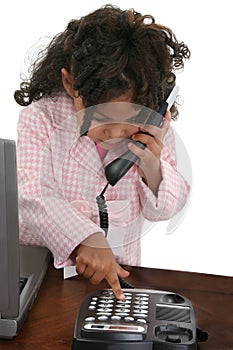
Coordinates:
<point>202,241</point>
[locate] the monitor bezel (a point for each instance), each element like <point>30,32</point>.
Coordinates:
<point>9,231</point>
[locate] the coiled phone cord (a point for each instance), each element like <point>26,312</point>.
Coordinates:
<point>104,224</point>
<point>103,211</point>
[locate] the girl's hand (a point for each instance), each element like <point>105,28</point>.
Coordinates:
<point>149,164</point>
<point>96,262</point>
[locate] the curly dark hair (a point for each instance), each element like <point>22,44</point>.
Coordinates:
<point>109,52</point>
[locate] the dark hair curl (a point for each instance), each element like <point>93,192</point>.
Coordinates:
<point>109,52</point>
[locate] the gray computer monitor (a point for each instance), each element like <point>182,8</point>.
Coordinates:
<point>9,231</point>
<point>17,262</point>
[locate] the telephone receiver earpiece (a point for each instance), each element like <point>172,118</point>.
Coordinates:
<point>115,170</point>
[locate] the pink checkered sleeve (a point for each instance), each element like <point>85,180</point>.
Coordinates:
<point>45,217</point>
<point>173,190</point>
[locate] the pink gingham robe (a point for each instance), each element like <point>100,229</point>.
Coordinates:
<point>60,174</point>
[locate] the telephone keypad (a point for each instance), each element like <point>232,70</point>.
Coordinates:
<point>107,308</point>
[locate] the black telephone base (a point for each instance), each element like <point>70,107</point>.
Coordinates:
<point>145,320</point>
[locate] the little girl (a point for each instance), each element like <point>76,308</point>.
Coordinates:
<point>84,96</point>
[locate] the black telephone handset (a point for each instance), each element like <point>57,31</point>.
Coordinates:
<point>115,170</point>
<point>145,320</point>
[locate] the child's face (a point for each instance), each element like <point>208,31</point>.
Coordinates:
<point>111,122</point>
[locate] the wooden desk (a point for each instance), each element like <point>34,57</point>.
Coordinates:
<point>50,323</point>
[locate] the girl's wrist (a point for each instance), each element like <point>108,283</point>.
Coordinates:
<point>95,240</point>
